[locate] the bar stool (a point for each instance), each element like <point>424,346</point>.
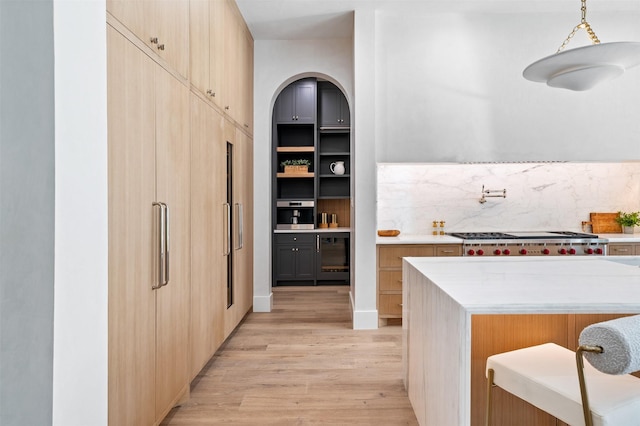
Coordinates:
<point>546,377</point>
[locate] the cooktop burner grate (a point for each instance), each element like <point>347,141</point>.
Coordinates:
<point>520,235</point>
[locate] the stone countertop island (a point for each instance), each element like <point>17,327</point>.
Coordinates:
<point>458,311</point>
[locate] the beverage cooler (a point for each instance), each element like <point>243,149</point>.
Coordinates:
<point>333,258</point>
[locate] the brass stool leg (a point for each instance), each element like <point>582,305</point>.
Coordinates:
<point>489,388</point>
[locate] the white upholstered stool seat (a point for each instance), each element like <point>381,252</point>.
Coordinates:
<point>546,376</point>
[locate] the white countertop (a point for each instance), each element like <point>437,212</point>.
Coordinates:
<point>419,239</point>
<point>536,284</point>
<point>621,238</point>
<point>310,231</point>
<point>447,239</point>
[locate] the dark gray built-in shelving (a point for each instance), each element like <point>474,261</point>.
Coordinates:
<point>311,121</point>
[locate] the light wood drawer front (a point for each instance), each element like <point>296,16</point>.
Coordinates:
<point>390,304</point>
<point>637,249</point>
<point>621,249</point>
<point>391,257</point>
<point>449,250</point>
<point>390,280</point>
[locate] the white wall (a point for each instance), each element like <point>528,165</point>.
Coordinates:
<point>276,64</point>
<point>80,321</point>
<point>450,89</point>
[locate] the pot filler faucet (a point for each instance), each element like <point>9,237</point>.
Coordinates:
<point>488,193</point>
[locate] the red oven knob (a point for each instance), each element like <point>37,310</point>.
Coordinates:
<point>545,251</point>
<point>497,252</point>
<point>523,251</point>
<point>598,250</point>
<point>506,252</point>
<point>480,252</point>
<point>562,251</point>
<point>471,252</point>
<point>589,251</point>
<point>572,251</point>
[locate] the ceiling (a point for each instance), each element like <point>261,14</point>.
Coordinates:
<point>322,19</point>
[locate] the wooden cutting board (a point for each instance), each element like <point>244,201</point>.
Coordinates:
<point>605,223</point>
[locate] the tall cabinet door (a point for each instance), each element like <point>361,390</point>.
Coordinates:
<point>208,214</point>
<point>131,157</point>
<point>243,196</point>
<point>173,156</point>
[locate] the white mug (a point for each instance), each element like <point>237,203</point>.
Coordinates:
<point>337,168</point>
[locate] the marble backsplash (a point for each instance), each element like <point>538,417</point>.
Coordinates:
<point>540,196</point>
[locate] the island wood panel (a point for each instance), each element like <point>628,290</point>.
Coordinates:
<point>492,334</point>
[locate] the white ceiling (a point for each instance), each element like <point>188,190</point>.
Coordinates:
<point>320,19</point>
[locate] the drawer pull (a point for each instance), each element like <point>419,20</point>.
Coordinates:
<point>621,250</point>
<point>400,304</point>
<point>447,251</point>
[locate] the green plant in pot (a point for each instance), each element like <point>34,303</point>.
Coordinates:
<point>296,166</point>
<point>628,221</point>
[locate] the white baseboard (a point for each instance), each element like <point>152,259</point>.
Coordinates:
<point>363,320</point>
<point>263,303</point>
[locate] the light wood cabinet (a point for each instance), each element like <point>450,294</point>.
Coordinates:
<point>389,273</point>
<point>624,249</point>
<point>169,144</point>
<point>241,281</point>
<point>208,262</point>
<point>206,48</point>
<point>149,161</point>
<point>162,25</point>
<point>221,58</point>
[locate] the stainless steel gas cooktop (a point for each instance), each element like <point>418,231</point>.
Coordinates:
<point>543,243</point>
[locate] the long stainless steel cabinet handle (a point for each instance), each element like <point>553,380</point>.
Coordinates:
<point>161,246</point>
<point>240,225</point>
<point>227,234</point>
<point>317,243</point>
<point>167,246</point>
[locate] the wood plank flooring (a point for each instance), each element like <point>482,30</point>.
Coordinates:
<point>302,364</point>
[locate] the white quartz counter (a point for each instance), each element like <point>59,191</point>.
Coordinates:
<point>419,239</point>
<point>310,231</point>
<point>441,296</point>
<point>537,284</point>
<point>621,238</point>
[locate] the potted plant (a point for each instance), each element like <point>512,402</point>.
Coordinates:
<point>628,221</point>
<point>296,166</point>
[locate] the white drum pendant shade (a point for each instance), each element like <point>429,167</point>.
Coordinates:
<point>583,68</point>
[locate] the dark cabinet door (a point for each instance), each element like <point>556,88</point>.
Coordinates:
<point>334,110</point>
<point>297,103</point>
<point>285,262</point>
<point>305,102</point>
<point>306,256</point>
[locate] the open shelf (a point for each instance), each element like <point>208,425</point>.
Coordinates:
<point>295,175</point>
<point>295,149</point>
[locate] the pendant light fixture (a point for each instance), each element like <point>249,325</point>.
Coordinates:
<point>583,68</point>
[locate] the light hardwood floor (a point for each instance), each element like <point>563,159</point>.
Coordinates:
<point>302,364</point>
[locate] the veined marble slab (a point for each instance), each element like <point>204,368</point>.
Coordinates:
<point>540,196</point>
